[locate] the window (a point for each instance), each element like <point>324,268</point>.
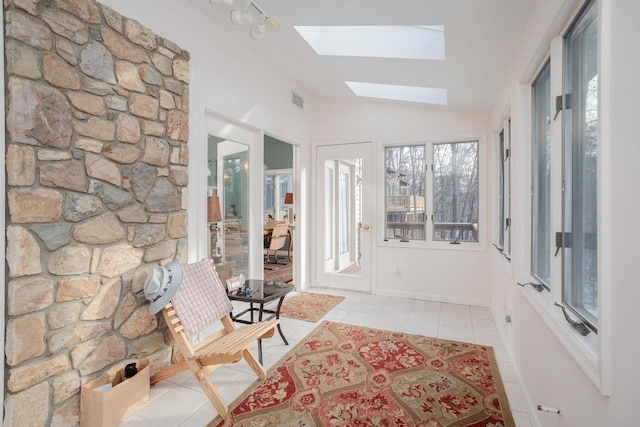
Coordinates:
<point>504,162</point>
<point>541,178</point>
<point>580,155</point>
<point>455,190</point>
<point>405,192</point>
<point>452,198</point>
<point>564,179</point>
<point>276,184</point>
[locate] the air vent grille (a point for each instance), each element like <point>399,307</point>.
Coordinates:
<point>297,100</point>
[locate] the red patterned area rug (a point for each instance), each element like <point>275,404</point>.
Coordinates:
<point>309,306</point>
<point>280,273</point>
<point>345,375</point>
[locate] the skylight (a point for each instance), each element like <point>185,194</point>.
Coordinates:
<point>405,42</point>
<point>425,95</point>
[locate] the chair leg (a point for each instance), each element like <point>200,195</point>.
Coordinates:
<point>255,365</point>
<point>168,372</point>
<point>212,393</point>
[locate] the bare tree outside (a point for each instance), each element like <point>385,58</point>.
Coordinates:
<point>455,190</point>
<point>405,192</point>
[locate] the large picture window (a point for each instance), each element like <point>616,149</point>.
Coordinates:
<point>450,201</point>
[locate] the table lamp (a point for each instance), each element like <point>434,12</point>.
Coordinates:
<point>288,200</point>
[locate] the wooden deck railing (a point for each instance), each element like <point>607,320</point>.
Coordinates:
<point>468,231</point>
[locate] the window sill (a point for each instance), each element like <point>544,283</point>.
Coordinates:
<point>417,244</point>
<point>583,350</point>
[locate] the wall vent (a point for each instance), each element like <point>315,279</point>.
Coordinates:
<point>297,99</point>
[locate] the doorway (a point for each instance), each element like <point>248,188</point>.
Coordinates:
<point>345,206</point>
<point>279,204</point>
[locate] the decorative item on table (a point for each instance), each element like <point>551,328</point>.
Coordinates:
<point>234,283</point>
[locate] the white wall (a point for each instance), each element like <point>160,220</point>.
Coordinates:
<point>229,82</point>
<point>549,373</point>
<point>228,79</point>
<point>439,273</point>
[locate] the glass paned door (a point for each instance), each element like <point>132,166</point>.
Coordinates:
<point>229,180</point>
<point>344,227</point>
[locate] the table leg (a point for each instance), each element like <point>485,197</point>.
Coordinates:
<point>259,320</point>
<point>290,244</point>
<point>277,317</point>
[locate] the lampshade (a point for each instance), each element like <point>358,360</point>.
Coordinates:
<point>288,199</point>
<point>213,209</point>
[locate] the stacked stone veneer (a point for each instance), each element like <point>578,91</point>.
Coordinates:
<point>96,159</point>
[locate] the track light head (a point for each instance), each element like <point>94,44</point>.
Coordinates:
<point>257,32</point>
<point>239,17</point>
<point>244,15</point>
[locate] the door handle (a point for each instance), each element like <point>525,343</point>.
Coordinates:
<point>365,227</point>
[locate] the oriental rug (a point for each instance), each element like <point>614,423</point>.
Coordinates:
<point>309,306</point>
<point>346,375</point>
<point>282,274</point>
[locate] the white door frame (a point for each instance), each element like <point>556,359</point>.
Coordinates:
<point>366,281</point>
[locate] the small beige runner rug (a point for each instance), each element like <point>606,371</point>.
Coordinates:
<point>309,306</point>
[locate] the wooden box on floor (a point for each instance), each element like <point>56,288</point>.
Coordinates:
<point>108,408</point>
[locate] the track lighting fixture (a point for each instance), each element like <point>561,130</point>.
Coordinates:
<point>239,17</point>
<point>244,15</point>
<point>258,31</point>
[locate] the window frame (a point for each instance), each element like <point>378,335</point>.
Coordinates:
<point>589,352</point>
<point>569,218</point>
<point>504,223</point>
<point>534,176</point>
<point>429,242</point>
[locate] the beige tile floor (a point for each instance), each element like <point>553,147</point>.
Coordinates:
<point>179,401</point>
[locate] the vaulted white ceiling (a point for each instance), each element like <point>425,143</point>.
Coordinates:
<point>480,38</point>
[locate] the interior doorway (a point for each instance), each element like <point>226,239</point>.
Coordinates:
<point>278,210</point>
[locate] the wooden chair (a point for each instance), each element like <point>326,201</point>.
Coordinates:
<point>204,298</point>
<point>278,241</point>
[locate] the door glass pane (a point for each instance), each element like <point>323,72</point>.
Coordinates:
<point>541,179</point>
<point>455,191</point>
<point>405,192</point>
<point>342,211</point>
<point>580,169</point>
<point>328,212</point>
<point>229,179</point>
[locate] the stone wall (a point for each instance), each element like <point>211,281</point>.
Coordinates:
<point>96,163</point>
